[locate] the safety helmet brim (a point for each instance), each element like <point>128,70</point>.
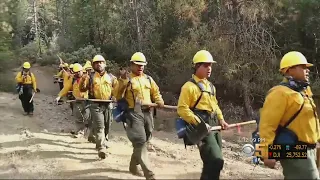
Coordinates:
<point>283,70</point>
<point>139,63</point>
<point>309,65</point>
<point>100,60</point>
<point>211,62</point>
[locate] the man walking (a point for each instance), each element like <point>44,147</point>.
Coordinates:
<point>100,86</point>
<point>198,103</point>
<point>139,87</point>
<point>26,86</point>
<point>289,111</point>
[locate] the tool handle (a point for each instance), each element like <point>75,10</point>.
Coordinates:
<point>93,100</point>
<point>233,125</point>
<point>156,105</point>
<point>32,97</point>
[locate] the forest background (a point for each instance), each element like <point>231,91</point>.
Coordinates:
<point>246,37</point>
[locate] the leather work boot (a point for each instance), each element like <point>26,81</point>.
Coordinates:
<point>134,170</point>
<point>79,134</point>
<point>105,145</point>
<point>102,153</point>
<point>150,176</point>
<point>92,139</point>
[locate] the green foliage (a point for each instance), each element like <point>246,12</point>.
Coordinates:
<point>246,38</point>
<point>81,55</point>
<point>7,83</point>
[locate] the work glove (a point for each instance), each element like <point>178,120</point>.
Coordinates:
<point>160,104</point>
<point>223,124</point>
<point>113,99</point>
<point>57,100</point>
<point>21,92</point>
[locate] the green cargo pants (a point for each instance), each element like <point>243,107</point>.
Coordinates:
<point>27,106</point>
<point>301,168</point>
<point>102,119</point>
<point>210,149</point>
<point>81,115</point>
<point>139,129</point>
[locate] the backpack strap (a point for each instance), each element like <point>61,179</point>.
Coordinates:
<point>73,80</point>
<point>28,73</point>
<point>201,87</point>
<point>130,83</point>
<point>149,78</point>
<point>298,112</point>
<point>91,85</point>
<point>111,77</point>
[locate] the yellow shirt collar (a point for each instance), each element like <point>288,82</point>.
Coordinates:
<point>197,79</point>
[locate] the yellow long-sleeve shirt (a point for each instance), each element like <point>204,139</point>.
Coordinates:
<point>66,77</point>
<point>103,87</point>
<point>29,78</point>
<point>190,93</point>
<point>75,88</point>
<point>280,105</point>
<point>60,74</point>
<point>141,88</point>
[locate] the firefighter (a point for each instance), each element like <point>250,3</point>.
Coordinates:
<point>88,67</point>
<point>139,87</point>
<point>289,116</point>
<point>81,115</point>
<point>88,70</point>
<point>26,86</point>
<point>199,103</point>
<point>100,86</point>
<point>63,73</point>
<point>68,77</point>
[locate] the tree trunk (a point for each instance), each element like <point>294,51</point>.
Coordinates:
<point>247,100</point>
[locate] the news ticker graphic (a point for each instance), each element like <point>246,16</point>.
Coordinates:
<point>276,151</point>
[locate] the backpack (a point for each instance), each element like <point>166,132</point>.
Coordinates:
<point>181,125</point>
<point>282,133</point>
<point>123,105</point>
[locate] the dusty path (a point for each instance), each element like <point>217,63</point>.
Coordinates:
<point>40,147</point>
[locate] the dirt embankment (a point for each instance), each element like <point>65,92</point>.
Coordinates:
<point>41,147</point>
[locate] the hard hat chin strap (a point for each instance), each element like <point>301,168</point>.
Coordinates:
<point>296,84</point>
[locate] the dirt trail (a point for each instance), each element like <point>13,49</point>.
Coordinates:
<point>40,146</point>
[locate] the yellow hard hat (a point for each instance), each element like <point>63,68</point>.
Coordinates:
<point>293,58</point>
<point>26,65</point>
<point>138,58</point>
<point>203,56</point>
<point>98,58</point>
<point>88,63</point>
<point>63,65</point>
<point>77,67</point>
<point>87,66</point>
<point>70,66</point>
